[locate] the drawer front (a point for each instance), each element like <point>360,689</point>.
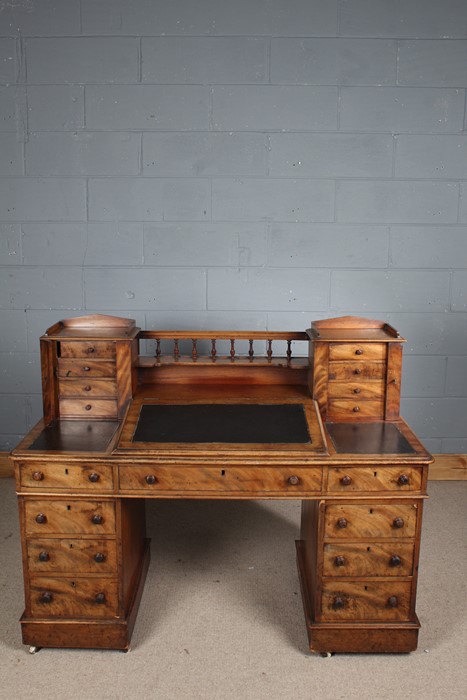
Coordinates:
<point>73,597</point>
<point>229,479</point>
<point>370,389</point>
<point>346,371</point>
<point>362,559</point>
<point>75,517</point>
<point>87,348</point>
<point>77,388</point>
<point>72,555</point>
<point>88,408</point>
<point>371,520</point>
<point>355,409</point>
<point>358,600</point>
<point>357,351</point>
<point>350,479</point>
<point>81,368</point>
<point>45,475</point>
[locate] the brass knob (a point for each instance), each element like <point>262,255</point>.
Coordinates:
<point>46,597</point>
<point>357,390</point>
<point>87,369</point>
<point>94,477</point>
<point>90,349</point>
<point>395,560</point>
<point>393,602</point>
<point>398,523</point>
<point>357,371</point>
<point>356,409</point>
<point>293,480</point>
<point>100,598</point>
<point>97,519</point>
<point>338,603</point>
<point>403,480</point>
<point>88,407</point>
<point>37,476</point>
<point>342,523</point>
<point>346,480</point>
<point>150,479</point>
<point>339,560</point>
<point>41,518</point>
<point>359,351</point>
<point>87,388</point>
<point>44,556</point>
<point>99,557</point>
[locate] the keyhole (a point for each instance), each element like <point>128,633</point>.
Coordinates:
<point>66,471</point>
<point>68,507</point>
<point>222,472</point>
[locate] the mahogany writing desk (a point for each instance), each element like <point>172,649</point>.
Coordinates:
<point>207,416</point>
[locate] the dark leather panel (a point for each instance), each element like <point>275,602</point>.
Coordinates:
<point>368,438</point>
<point>76,436</point>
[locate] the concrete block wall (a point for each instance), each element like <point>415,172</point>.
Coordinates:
<point>237,164</point>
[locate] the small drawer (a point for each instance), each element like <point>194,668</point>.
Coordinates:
<point>358,600</point>
<point>357,351</point>
<point>77,388</point>
<point>351,479</point>
<point>347,371</point>
<point>88,408</point>
<point>362,559</point>
<point>349,521</point>
<point>72,555</point>
<point>87,348</point>
<point>371,389</point>
<point>66,475</point>
<point>80,368</point>
<point>73,597</point>
<point>346,409</point>
<point>70,517</point>
<point>259,479</point>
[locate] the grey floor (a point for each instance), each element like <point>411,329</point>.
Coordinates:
<point>221,615</point>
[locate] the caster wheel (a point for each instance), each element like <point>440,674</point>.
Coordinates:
<point>326,654</point>
<point>34,650</point>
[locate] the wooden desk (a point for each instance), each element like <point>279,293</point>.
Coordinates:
<point>221,421</point>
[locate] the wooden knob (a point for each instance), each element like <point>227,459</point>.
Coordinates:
<point>395,560</point>
<point>43,556</point>
<point>346,480</point>
<point>88,407</point>
<point>41,518</point>
<point>87,369</point>
<point>100,598</point>
<point>403,480</point>
<point>150,479</point>
<point>46,597</point>
<point>293,480</point>
<point>37,476</point>
<point>90,350</point>
<point>357,371</point>
<point>342,523</point>
<point>359,351</point>
<point>99,557</point>
<point>356,409</point>
<point>357,390</point>
<point>87,388</point>
<point>339,560</point>
<point>393,602</point>
<point>398,523</point>
<point>97,519</point>
<point>338,603</point>
<point>94,477</point>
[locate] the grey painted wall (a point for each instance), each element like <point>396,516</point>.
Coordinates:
<point>247,164</point>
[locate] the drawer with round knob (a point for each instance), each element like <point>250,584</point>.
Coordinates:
<point>352,521</point>
<point>86,368</point>
<point>72,555</point>
<point>73,597</point>
<point>377,478</point>
<point>355,409</point>
<point>66,475</point>
<point>358,352</point>
<point>87,348</point>
<point>356,371</point>
<point>369,389</point>
<point>368,559</point>
<point>87,388</point>
<point>46,516</point>
<point>88,408</point>
<point>365,600</point>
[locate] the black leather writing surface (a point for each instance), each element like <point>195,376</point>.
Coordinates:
<point>234,423</point>
<point>368,438</point>
<point>76,436</point>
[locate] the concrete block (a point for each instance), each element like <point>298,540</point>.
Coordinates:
<point>436,418</point>
<point>55,107</point>
<point>203,245</point>
<point>13,416</point>
<point>333,61</point>
<point>41,288</point>
<point>204,60</point>
<point>13,337</point>
<point>114,243</point>
<point>10,244</point>
<point>273,200</point>
<point>44,18</point>
<point>403,202</point>
<point>83,60</point>
<point>456,377</point>
<point>380,290</point>
<point>7,108</point>
<point>433,333</point>
<point>331,155</point>
<point>401,109</point>
<point>148,107</point>
<point>34,410</point>
<point>423,376</point>
<point>9,442</point>
<point>431,156</point>
<point>35,199</point>
<point>11,161</point>
<point>463,202</point>
<point>54,244</point>
<point>149,199</point>
<point>136,288</point>
<point>428,246</point>
<point>327,245</point>
<point>205,320</point>
<point>433,63</point>
<point>453,445</point>
<point>266,289</point>
<point>83,153</point>
<point>459,291</point>
<point>271,107</point>
<point>208,154</point>
<point>20,373</point>
<point>398,18</point>
<point>8,64</point>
